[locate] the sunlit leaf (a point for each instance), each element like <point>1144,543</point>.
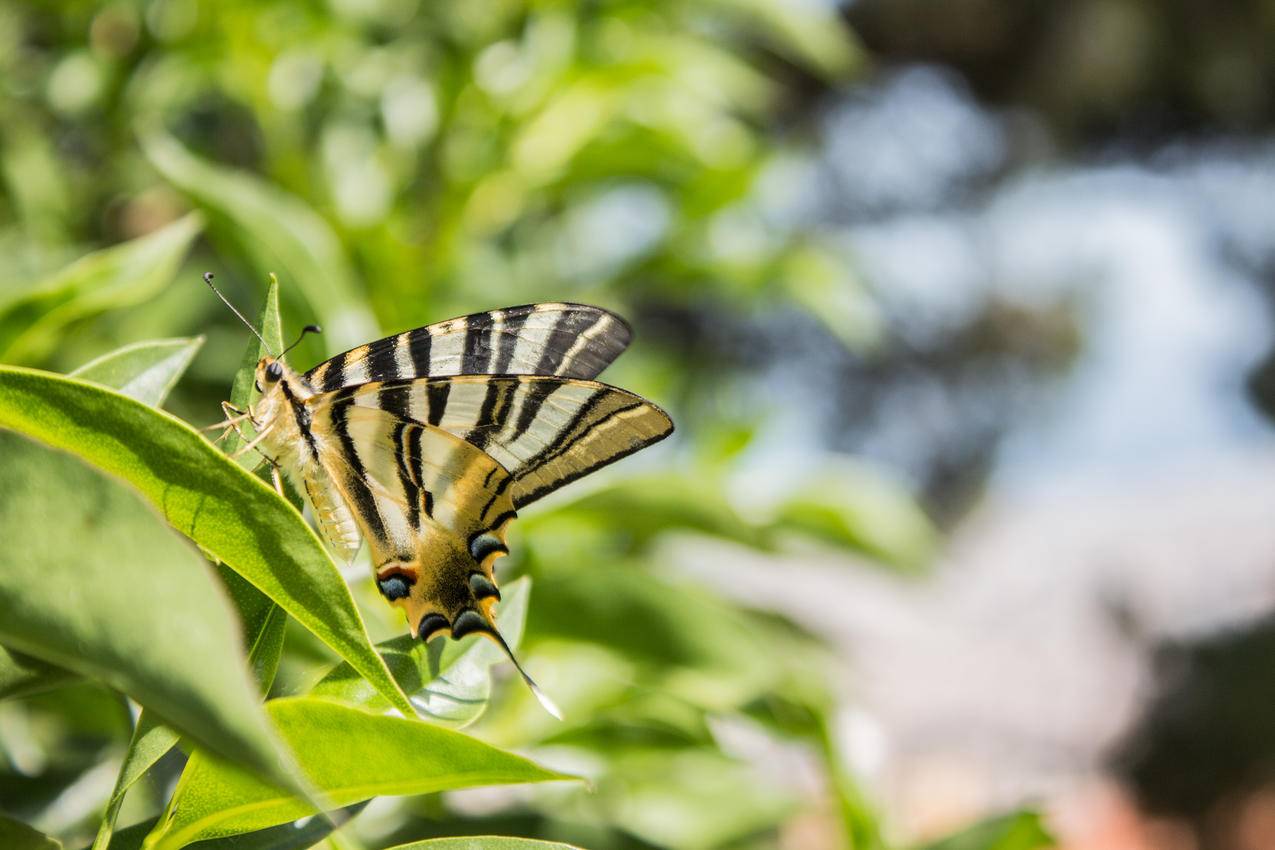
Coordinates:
<point>107,279</point>
<point>349,755</point>
<point>146,371</point>
<point>451,685</point>
<point>277,231</point>
<point>92,580</point>
<point>227,511</point>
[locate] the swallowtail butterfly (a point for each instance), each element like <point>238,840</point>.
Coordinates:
<point>428,442</point>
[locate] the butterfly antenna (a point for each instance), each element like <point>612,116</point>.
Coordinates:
<point>208,279</point>
<point>308,329</point>
<point>540,695</point>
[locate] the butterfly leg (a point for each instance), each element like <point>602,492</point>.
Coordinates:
<point>243,450</point>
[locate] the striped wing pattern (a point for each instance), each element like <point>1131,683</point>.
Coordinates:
<point>544,431</point>
<point>570,340</point>
<point>406,478</point>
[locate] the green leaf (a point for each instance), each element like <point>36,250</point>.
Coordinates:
<point>242,391</point>
<point>858,509</point>
<point>288,836</point>
<point>484,842</point>
<point>206,496</point>
<point>276,231</point>
<point>92,580</point>
<point>22,675</point>
<point>349,755</point>
<point>146,371</point>
<point>1016,831</point>
<point>151,740</point>
<point>19,836</point>
<point>113,277</point>
<point>263,624</point>
<point>452,685</point>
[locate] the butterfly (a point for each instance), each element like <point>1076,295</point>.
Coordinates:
<point>427,443</point>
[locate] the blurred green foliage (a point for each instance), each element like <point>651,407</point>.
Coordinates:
<point>397,163</point>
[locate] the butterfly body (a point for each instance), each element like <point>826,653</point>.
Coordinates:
<point>427,443</point>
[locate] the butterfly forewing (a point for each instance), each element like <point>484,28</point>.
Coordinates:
<point>571,340</point>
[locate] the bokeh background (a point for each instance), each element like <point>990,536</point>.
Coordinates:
<point>963,311</point>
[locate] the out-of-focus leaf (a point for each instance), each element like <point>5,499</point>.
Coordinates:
<point>484,842</point>
<point>1016,831</point>
<point>819,282</point>
<point>657,504</point>
<point>811,33</point>
<point>276,230</point>
<point>695,645</point>
<point>22,675</point>
<point>92,580</point>
<point>849,506</point>
<point>146,371</point>
<point>203,494</point>
<point>346,753</point>
<point>111,278</point>
<point>18,836</point>
<point>638,795</point>
<point>451,686</point>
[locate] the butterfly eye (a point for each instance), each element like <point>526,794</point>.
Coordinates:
<point>274,371</point>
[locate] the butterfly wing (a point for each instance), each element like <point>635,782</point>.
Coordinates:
<point>572,340</point>
<point>433,508</point>
<point>545,431</point>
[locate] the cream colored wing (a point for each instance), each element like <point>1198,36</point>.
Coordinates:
<point>546,431</point>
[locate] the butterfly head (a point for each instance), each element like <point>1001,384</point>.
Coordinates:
<point>271,372</point>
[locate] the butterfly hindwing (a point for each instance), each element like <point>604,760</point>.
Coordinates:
<point>404,478</point>
<point>571,340</point>
<point>545,431</point>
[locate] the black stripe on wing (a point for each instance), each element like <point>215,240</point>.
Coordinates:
<point>569,340</point>
<point>546,431</point>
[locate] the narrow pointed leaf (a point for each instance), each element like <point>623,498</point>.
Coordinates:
<point>242,391</point>
<point>107,279</point>
<point>146,371</point>
<point>208,497</point>
<point>451,687</point>
<point>349,755</point>
<point>92,580</point>
<point>275,230</point>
